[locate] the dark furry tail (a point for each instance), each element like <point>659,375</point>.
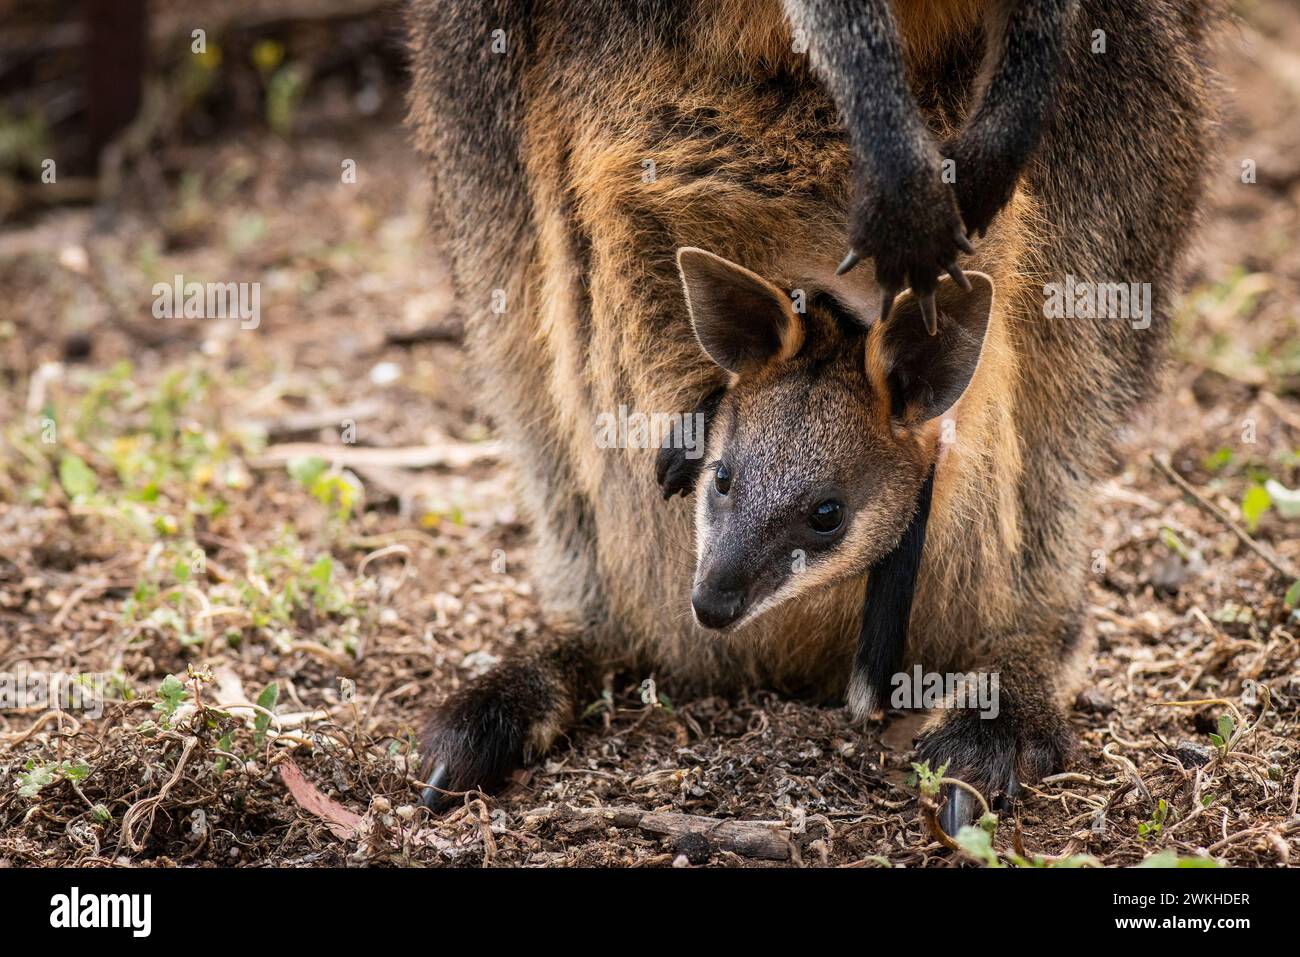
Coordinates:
<point>504,719</point>
<point>882,642</point>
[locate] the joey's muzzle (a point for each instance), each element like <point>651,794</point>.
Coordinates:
<point>720,595</point>
<point>716,607</point>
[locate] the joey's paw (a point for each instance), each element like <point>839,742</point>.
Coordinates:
<point>912,229</point>
<point>985,182</point>
<point>675,472</point>
<point>993,755</point>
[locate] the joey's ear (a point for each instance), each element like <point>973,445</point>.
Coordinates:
<point>741,320</point>
<point>925,375</point>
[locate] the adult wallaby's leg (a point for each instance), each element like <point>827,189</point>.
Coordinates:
<point>505,718</point>
<point>1023,64</point>
<point>467,109</point>
<point>905,217</point>
<point>1151,78</point>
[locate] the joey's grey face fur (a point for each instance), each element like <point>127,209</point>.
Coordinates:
<point>818,448</point>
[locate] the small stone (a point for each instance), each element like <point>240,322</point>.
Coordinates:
<point>1193,754</point>
<point>696,848</point>
<point>1094,700</point>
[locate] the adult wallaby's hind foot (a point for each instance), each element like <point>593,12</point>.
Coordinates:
<point>995,756</point>
<point>502,720</point>
<point>1022,738</point>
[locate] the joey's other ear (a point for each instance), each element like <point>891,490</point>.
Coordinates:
<point>926,374</point>
<point>740,319</point>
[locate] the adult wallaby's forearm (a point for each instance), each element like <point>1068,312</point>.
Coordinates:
<point>904,216</point>
<point>1023,65</point>
<point>856,50</point>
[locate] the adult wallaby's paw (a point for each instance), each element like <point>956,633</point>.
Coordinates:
<point>492,726</point>
<point>994,755</point>
<point>985,179</point>
<point>912,228</point>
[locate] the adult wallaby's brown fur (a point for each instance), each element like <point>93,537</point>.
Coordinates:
<point>570,168</point>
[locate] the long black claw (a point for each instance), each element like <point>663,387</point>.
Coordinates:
<point>431,797</point>
<point>961,809</point>
<point>963,243</point>
<point>887,296</point>
<point>958,276</point>
<point>851,260</point>
<point>930,313</point>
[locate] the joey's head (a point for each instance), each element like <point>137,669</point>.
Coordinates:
<point>824,435</point>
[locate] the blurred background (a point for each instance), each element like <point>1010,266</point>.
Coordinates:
<point>311,514</point>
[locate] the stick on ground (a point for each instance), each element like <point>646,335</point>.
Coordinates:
<point>1217,513</point>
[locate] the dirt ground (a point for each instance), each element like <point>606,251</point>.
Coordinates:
<point>179,512</point>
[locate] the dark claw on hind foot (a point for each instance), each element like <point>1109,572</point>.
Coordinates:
<point>434,795</point>
<point>960,810</point>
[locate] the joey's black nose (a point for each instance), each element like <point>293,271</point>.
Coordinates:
<point>716,607</point>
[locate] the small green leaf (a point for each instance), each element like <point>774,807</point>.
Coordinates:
<point>977,843</point>
<point>308,469</point>
<point>267,700</point>
<point>1292,598</point>
<point>30,783</point>
<point>321,570</point>
<point>1218,460</point>
<point>76,477</point>
<point>224,743</point>
<point>1174,543</point>
<point>1254,505</point>
<point>925,779</point>
<point>172,693</point>
<point>1170,858</point>
<point>1226,727</point>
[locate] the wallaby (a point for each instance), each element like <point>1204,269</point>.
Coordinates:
<point>576,146</point>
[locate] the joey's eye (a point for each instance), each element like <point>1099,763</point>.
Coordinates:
<point>722,479</point>
<point>826,517</point>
